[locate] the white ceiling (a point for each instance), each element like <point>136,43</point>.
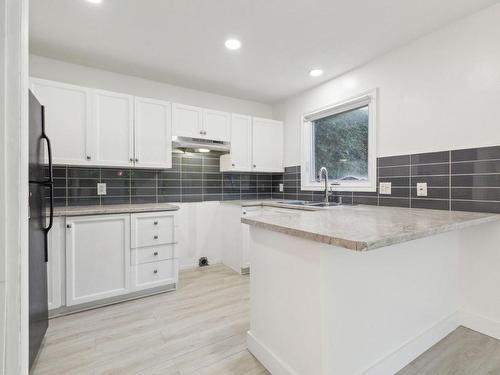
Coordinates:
<point>182,41</point>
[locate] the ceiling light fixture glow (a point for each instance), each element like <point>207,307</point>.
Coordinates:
<point>95,1</point>
<point>233,44</point>
<point>204,150</point>
<point>316,72</point>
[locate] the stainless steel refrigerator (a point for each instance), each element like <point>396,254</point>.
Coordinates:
<point>41,197</point>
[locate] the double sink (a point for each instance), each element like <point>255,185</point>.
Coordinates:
<point>310,204</point>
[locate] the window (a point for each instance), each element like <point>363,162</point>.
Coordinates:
<point>341,138</point>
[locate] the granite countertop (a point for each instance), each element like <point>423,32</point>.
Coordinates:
<point>113,209</point>
<point>278,203</point>
<point>363,228</point>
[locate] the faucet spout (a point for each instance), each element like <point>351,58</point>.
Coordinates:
<point>324,172</point>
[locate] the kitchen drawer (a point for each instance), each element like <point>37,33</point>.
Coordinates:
<point>153,253</point>
<point>152,229</point>
<point>149,275</point>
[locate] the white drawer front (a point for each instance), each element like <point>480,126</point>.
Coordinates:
<point>153,253</point>
<point>149,275</point>
<point>153,230</point>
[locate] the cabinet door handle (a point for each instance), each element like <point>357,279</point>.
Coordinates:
<point>254,166</point>
<point>155,253</point>
<point>155,223</point>
<point>131,160</point>
<point>155,271</point>
<point>88,157</point>
<point>69,226</point>
<point>234,165</point>
<point>137,160</point>
<point>155,237</point>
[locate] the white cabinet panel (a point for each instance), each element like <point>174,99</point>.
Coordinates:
<point>153,253</point>
<point>187,121</point>
<point>153,133</point>
<point>113,129</point>
<point>216,125</point>
<point>240,157</point>
<point>150,275</point>
<point>150,229</point>
<point>56,264</point>
<point>267,149</point>
<point>97,257</point>
<point>67,120</point>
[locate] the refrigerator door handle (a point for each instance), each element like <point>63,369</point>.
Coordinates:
<point>50,184</point>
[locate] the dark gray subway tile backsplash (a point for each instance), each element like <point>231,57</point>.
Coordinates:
<point>467,180</point>
<point>192,178</point>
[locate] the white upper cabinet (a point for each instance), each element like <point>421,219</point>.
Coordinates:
<point>196,122</point>
<point>187,121</point>
<point>153,133</point>
<point>240,157</point>
<point>113,128</point>
<point>67,119</point>
<point>267,145</point>
<point>216,125</point>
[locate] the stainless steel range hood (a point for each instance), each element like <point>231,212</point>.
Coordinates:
<point>189,143</point>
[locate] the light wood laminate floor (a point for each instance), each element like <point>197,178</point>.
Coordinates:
<point>462,352</point>
<point>199,329</point>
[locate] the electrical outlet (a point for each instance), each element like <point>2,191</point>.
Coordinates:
<point>385,188</point>
<point>101,188</point>
<point>281,188</point>
<point>421,189</point>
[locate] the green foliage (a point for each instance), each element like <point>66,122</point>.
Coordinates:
<point>341,144</point>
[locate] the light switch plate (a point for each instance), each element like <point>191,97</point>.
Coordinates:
<point>101,188</point>
<point>281,188</point>
<point>385,188</point>
<point>421,189</point>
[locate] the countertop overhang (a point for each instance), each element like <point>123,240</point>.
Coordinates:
<point>363,228</point>
<point>113,209</point>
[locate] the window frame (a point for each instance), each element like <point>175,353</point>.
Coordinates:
<point>368,98</point>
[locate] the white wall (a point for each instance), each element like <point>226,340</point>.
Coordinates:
<point>14,187</point>
<point>199,233</point>
<point>440,92</point>
<point>42,67</point>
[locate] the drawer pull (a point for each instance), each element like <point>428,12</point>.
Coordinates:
<point>155,253</point>
<point>155,237</point>
<point>155,271</point>
<point>155,223</point>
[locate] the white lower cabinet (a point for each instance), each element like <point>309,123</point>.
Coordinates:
<point>55,264</point>
<point>153,250</point>
<point>150,275</point>
<point>101,258</point>
<point>97,257</point>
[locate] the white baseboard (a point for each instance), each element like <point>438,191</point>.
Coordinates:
<point>390,364</point>
<point>400,357</point>
<point>267,358</point>
<point>190,266</point>
<point>481,324</point>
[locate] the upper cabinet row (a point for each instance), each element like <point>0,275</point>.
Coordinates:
<point>96,127</point>
<point>101,128</point>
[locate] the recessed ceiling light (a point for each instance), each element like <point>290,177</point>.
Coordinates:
<point>233,44</point>
<point>204,150</point>
<point>95,1</point>
<point>316,72</point>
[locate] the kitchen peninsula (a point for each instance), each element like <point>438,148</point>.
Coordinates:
<point>365,290</point>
